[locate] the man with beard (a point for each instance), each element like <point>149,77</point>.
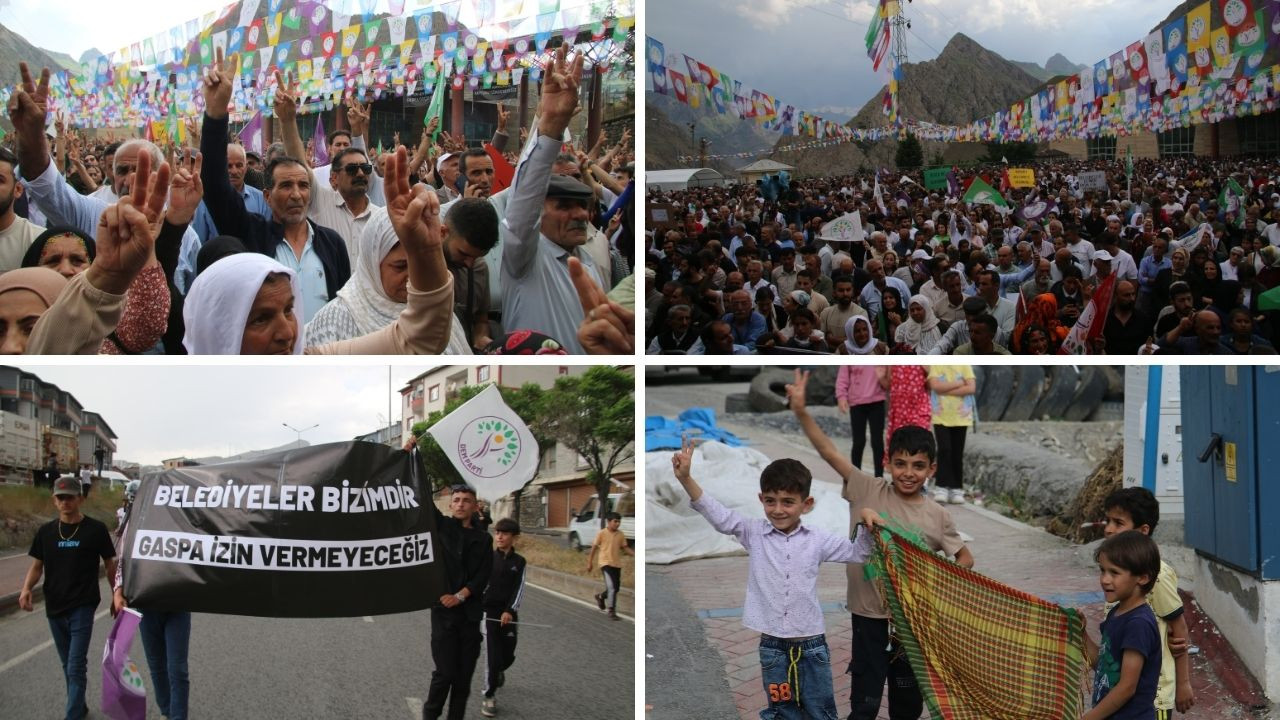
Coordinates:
<point>1041,283</point>
<point>1069,292</point>
<point>1127,328</point>
<point>16,233</point>
<point>832,319</point>
<point>678,336</point>
<point>873,291</point>
<point>933,288</point>
<point>950,309</point>
<point>717,339</point>
<point>1181,306</point>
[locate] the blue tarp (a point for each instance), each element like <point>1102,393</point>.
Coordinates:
<point>661,433</point>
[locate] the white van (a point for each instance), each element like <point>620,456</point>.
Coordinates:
<point>585,523</point>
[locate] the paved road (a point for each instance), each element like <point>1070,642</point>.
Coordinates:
<point>252,668</point>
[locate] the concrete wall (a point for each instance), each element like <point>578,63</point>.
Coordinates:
<point>1144,145</point>
<point>1247,613</point>
<point>1078,149</point>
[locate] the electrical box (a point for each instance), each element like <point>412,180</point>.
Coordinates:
<point>1230,426</point>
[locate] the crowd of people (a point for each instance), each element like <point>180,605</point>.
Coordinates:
<point>207,247</point>
<point>746,268</point>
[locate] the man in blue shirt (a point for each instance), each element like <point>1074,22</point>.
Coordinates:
<point>746,324</point>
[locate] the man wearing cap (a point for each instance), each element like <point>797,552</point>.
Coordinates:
<point>1231,266</point>
<point>66,552</point>
<point>537,292</point>
<point>1103,267</point>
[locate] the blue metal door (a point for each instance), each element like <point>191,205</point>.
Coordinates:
<point>1219,424</point>
<point>1267,386</point>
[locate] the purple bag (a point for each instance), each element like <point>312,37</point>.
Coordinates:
<point>123,695</point>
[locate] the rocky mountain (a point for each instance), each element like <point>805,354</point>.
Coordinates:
<point>1057,66</point>
<point>928,92</point>
<point>15,48</point>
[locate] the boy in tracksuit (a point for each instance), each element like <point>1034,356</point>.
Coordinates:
<point>501,601</point>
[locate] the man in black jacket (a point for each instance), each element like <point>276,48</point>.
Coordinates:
<point>316,253</point>
<point>455,622</point>
<point>501,603</point>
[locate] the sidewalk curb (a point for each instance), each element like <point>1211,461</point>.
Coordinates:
<point>1227,665</point>
<point>578,587</point>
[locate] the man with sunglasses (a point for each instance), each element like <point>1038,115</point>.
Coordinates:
<point>66,552</point>
<point>345,208</point>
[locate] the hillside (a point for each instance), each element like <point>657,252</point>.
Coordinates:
<point>667,127</point>
<point>990,83</point>
<point>15,48</point>
<point>1057,66</point>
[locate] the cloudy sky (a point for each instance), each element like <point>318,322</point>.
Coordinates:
<point>73,26</point>
<point>810,53</point>
<point>165,411</point>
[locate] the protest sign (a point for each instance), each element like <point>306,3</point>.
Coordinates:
<point>936,178</point>
<point>336,530</point>
<point>489,444</point>
<point>662,216</point>
<point>1022,177</point>
<point>1094,180</point>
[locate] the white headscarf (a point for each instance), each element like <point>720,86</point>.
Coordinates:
<point>362,305</point>
<point>853,348</point>
<point>920,336</point>
<point>217,307</point>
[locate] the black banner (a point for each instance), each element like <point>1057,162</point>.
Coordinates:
<point>337,530</point>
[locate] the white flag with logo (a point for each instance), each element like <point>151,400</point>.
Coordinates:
<point>489,444</point>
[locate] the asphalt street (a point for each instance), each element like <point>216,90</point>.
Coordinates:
<point>373,667</point>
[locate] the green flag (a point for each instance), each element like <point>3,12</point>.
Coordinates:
<point>1229,200</point>
<point>436,108</point>
<point>980,193</point>
<point>1269,300</point>
<point>1128,162</point>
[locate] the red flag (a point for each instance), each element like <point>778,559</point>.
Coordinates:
<point>503,172</point>
<point>680,85</point>
<point>1236,15</point>
<point>1137,56</point>
<point>1005,184</point>
<point>1091,322</point>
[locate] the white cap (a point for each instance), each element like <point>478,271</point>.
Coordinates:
<point>920,255</point>
<point>440,161</point>
<point>1102,255</point>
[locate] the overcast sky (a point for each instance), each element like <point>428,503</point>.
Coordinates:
<point>73,26</point>
<point>165,411</point>
<point>810,53</point>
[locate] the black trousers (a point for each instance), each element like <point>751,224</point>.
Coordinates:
<point>859,417</point>
<point>499,648</point>
<point>455,647</point>
<point>950,455</point>
<point>872,665</point>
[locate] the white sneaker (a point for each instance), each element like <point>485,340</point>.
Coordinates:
<point>489,708</point>
<point>940,495</point>
<point>955,497</point>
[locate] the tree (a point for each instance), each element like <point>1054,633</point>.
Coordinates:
<point>593,414</point>
<point>1017,153</point>
<point>525,402</point>
<point>909,154</point>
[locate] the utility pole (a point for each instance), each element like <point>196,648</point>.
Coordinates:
<point>702,152</point>
<point>900,25</point>
<point>693,129</point>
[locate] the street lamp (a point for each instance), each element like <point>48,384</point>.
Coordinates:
<point>313,427</point>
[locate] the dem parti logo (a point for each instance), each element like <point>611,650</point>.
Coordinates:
<point>488,446</point>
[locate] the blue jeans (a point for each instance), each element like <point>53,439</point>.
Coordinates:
<point>797,678</point>
<point>72,631</point>
<point>165,638</point>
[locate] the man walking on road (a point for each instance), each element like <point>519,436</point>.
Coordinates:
<point>66,552</point>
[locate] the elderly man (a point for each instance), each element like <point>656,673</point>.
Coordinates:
<point>49,191</point>
<point>678,336</point>
<point>345,208</point>
<point>951,308</point>
<point>1040,283</point>
<point>873,291</point>
<point>1198,334</point>
<point>537,292</point>
<point>316,253</point>
<point>744,322</point>
<point>254,202</point>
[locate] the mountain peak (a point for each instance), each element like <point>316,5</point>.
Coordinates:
<point>960,44</point>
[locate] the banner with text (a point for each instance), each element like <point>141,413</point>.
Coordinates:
<point>335,530</point>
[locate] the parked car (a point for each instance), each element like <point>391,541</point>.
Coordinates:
<point>586,522</point>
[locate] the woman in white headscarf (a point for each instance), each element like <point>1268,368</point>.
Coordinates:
<point>859,338</point>
<point>919,331</point>
<point>244,304</point>
<point>376,293</point>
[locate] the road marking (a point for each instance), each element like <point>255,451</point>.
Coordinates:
<point>42,646</point>
<point>572,599</point>
<point>415,707</point>
<point>368,619</point>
